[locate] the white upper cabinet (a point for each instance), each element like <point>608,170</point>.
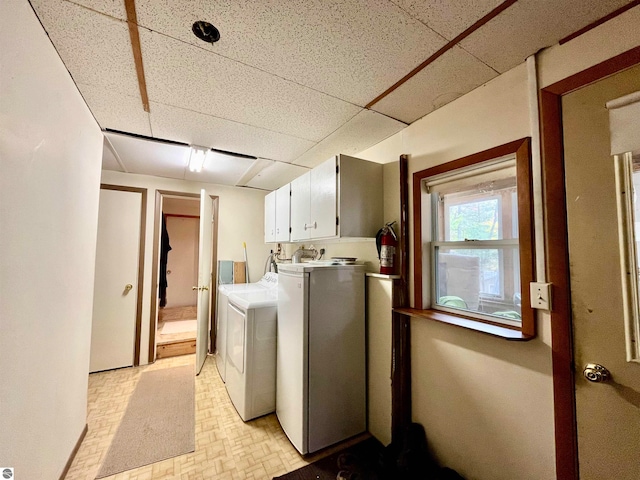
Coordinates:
<point>283,213</point>
<point>341,197</point>
<point>300,207</point>
<point>323,200</point>
<point>360,201</point>
<point>270,218</point>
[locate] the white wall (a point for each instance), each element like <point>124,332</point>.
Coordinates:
<point>182,261</point>
<point>50,156</point>
<point>486,403</point>
<point>481,400</point>
<point>241,219</point>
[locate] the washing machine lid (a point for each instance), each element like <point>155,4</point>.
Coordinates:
<point>229,288</point>
<point>255,299</point>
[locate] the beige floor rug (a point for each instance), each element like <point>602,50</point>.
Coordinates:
<point>178,326</point>
<point>159,422</point>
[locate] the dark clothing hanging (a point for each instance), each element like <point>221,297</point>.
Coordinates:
<point>164,254</point>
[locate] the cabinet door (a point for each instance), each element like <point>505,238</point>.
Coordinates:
<point>283,213</point>
<point>300,208</point>
<point>270,218</point>
<point>323,199</point>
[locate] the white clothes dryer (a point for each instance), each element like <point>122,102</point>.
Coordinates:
<point>268,282</point>
<point>251,352</point>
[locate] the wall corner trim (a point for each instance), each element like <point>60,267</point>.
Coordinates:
<point>74,452</point>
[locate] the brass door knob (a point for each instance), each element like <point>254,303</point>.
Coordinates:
<point>128,287</point>
<point>596,373</point>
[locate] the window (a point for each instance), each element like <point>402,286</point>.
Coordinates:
<point>473,259</point>
<point>628,180</point>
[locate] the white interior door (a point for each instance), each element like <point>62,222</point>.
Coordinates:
<point>608,413</point>
<point>204,278</point>
<point>116,280</point>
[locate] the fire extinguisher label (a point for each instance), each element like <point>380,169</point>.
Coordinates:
<point>386,255</point>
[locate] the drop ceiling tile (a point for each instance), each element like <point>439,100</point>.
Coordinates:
<point>194,128</point>
<point>95,48</point>
<point>447,78</point>
<point>116,112</point>
<point>351,50</point>
<point>184,76</point>
<point>530,25</point>
<point>221,169</point>
<point>109,161</point>
<point>276,175</point>
<point>256,167</point>
<point>113,8</point>
<point>361,132</point>
<point>148,157</point>
<point>448,18</point>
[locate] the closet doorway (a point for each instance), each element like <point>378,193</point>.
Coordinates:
<point>182,254</point>
<point>178,273</point>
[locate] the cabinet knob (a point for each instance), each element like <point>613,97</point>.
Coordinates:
<point>308,226</point>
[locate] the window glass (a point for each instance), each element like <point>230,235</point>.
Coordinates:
<point>475,252</point>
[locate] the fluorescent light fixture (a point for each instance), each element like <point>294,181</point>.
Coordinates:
<point>197,157</point>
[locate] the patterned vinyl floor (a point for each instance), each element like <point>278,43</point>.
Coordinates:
<point>226,447</point>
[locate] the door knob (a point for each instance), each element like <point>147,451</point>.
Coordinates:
<point>205,288</point>
<point>128,287</point>
<point>596,373</point>
<point>195,288</point>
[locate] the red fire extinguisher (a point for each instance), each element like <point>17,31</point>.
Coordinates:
<point>386,242</point>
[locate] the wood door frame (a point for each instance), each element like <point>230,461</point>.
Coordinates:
<point>141,253</point>
<point>557,251</point>
<point>156,261</point>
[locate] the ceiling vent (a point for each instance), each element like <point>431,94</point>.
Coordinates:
<point>205,31</point>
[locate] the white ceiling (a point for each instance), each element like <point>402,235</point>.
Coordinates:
<point>289,80</point>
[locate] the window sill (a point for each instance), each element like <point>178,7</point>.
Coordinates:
<point>486,328</point>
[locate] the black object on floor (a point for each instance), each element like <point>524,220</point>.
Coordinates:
<point>408,459</point>
<point>368,452</point>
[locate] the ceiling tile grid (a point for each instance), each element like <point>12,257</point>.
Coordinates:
<point>198,80</point>
<point>94,47</point>
<point>450,76</point>
<point>362,131</point>
<point>448,18</point>
<point>113,8</point>
<point>180,125</point>
<point>116,112</point>
<point>288,79</point>
<point>352,50</point>
<point>530,25</point>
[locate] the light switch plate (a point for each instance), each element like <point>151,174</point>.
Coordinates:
<point>540,295</point>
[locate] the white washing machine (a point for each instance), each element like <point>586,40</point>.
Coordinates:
<point>251,352</point>
<point>268,282</point>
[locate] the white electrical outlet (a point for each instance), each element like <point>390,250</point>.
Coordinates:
<point>540,295</point>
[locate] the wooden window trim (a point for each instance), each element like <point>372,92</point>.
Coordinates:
<point>522,150</point>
